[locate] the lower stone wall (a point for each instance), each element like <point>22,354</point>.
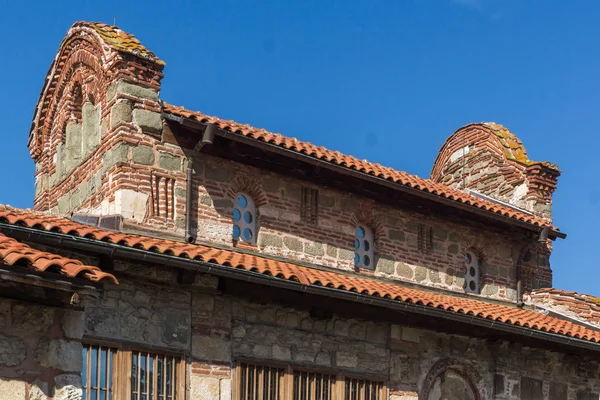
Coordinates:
<point>40,351</point>
<point>213,328</point>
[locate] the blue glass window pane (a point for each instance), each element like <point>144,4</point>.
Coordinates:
<point>94,369</point>
<point>110,367</point>
<point>236,232</point>
<point>93,395</point>
<point>248,217</point>
<point>103,368</point>
<point>151,376</point>
<point>143,373</point>
<point>247,234</point>
<point>84,369</point>
<point>236,215</point>
<point>356,259</point>
<point>356,244</point>
<point>242,201</point>
<point>134,368</point>
<point>160,375</point>
<point>360,232</point>
<point>102,395</point>
<point>169,368</point>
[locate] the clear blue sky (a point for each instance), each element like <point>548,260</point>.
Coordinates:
<point>383,80</point>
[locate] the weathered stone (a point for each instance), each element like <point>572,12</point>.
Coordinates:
<point>181,192</point>
<point>59,354</point>
<point>223,204</point>
<point>344,359</point>
<point>211,348</point>
<point>67,387</point>
<point>439,233</point>
<point>345,254</point>
<point>341,327</point>
<point>489,290</point>
<point>314,248</point>
<point>420,273</point>
<point>175,326</point>
<point>38,390</point>
<point>410,335</point>
<point>397,235</point>
<point>12,389</point>
<point>219,174</point>
<point>265,239</point>
<point>73,323</point>
<point>292,192</point>
<point>292,243</point>
<point>131,89</point>
<point>434,276</point>
<point>90,127</point>
<point>385,264</point>
<point>143,155</point>
<point>281,352</point>
<point>326,201</point>
<point>331,251</point>
<point>120,112</point>
<point>453,249</point>
<point>204,387</point>
<point>13,350</point>
<point>377,333</point>
<point>31,317</point>
<point>149,121</point>
<point>348,204</point>
<point>271,184</point>
<point>169,161</point>
<point>225,389</point>
<point>102,322</point>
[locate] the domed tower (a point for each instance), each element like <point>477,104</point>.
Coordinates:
<point>487,160</point>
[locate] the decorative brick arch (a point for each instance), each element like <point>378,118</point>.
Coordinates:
<point>249,186</point>
<point>466,371</point>
<point>365,215</point>
<point>80,66</point>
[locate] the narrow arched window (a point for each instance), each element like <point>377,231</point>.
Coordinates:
<point>244,218</point>
<point>364,249</point>
<point>472,273</point>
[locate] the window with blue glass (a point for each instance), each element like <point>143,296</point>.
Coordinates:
<point>153,376</point>
<point>97,373</point>
<point>110,373</point>
<point>244,218</point>
<point>364,248</point>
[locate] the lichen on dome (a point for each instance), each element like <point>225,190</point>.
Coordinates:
<point>121,40</point>
<point>513,147</point>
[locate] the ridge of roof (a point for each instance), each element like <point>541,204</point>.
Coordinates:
<point>119,40</point>
<point>374,169</point>
<point>19,255</point>
<point>477,308</point>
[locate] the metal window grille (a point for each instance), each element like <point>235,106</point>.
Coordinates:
<point>313,386</point>
<point>153,377</point>
<point>360,389</point>
<point>260,383</point>
<point>97,373</point>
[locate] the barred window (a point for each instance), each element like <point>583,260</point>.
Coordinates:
<point>313,386</point>
<point>97,373</point>
<point>153,376</point>
<point>264,382</point>
<point>259,382</point>
<point>105,375</point>
<point>360,389</point>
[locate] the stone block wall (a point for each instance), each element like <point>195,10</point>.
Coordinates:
<point>215,331</point>
<point>40,351</point>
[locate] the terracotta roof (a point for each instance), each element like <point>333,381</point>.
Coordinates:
<point>120,40</point>
<point>584,307</point>
<point>16,254</point>
<point>513,147</point>
<point>305,275</point>
<point>335,157</point>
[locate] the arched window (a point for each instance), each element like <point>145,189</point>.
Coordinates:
<point>472,272</point>
<point>364,249</point>
<point>244,218</point>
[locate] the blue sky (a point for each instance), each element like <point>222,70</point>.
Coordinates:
<point>383,80</point>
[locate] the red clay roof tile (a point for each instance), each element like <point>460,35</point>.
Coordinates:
<point>305,275</point>
<point>17,254</point>
<point>335,157</point>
